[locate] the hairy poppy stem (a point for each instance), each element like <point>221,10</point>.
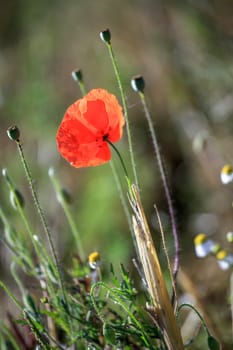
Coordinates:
<point>120,157</point>
<point>165,183</point>
<point>41,215</point>
<point>41,253</point>
<point>117,74</point>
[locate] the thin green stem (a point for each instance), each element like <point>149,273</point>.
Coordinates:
<point>78,78</point>
<point>41,215</point>
<point>6,332</point>
<point>165,183</point>
<point>198,314</point>
<point>124,307</point>
<point>123,98</point>
<point>15,243</point>
<point>231,300</point>
<point>63,203</point>
<point>41,253</point>
<point>11,295</point>
<point>17,279</point>
<point>121,194</point>
<point>120,158</point>
<point>82,88</point>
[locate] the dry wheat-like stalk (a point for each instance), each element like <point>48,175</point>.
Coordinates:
<point>165,316</point>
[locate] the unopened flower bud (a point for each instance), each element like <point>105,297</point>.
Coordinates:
<point>77,75</point>
<point>16,199</point>
<point>226,174</point>
<point>105,36</point>
<point>13,133</point>
<point>138,83</point>
<point>65,196</point>
<point>36,238</point>
<point>5,174</point>
<point>51,172</point>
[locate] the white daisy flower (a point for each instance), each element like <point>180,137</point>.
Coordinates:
<point>226,174</point>
<point>225,260</point>
<point>203,245</point>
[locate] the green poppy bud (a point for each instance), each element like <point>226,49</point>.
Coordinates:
<point>105,36</point>
<point>65,196</point>
<point>13,133</point>
<point>138,83</point>
<point>77,75</point>
<point>16,199</point>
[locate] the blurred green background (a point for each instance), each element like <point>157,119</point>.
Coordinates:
<point>184,50</point>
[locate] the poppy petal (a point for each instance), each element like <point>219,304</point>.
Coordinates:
<point>114,112</point>
<point>96,116</point>
<point>86,156</point>
<point>86,123</point>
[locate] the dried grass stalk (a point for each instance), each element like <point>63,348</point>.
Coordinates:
<point>165,316</point>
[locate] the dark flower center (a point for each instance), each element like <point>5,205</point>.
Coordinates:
<point>105,137</point>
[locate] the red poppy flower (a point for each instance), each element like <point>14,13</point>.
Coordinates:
<point>87,125</point>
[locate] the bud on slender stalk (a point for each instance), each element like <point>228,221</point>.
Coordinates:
<point>138,83</point>
<point>16,199</point>
<point>77,75</point>
<point>65,196</point>
<point>105,36</point>
<point>13,133</point>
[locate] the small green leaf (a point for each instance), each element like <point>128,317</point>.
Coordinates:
<point>213,344</point>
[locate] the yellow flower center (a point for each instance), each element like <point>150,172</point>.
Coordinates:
<point>94,257</point>
<point>221,254</point>
<point>200,239</point>
<point>227,169</point>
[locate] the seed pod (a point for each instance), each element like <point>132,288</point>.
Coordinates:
<point>77,75</point>
<point>105,36</point>
<point>13,133</point>
<point>16,199</point>
<point>138,83</point>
